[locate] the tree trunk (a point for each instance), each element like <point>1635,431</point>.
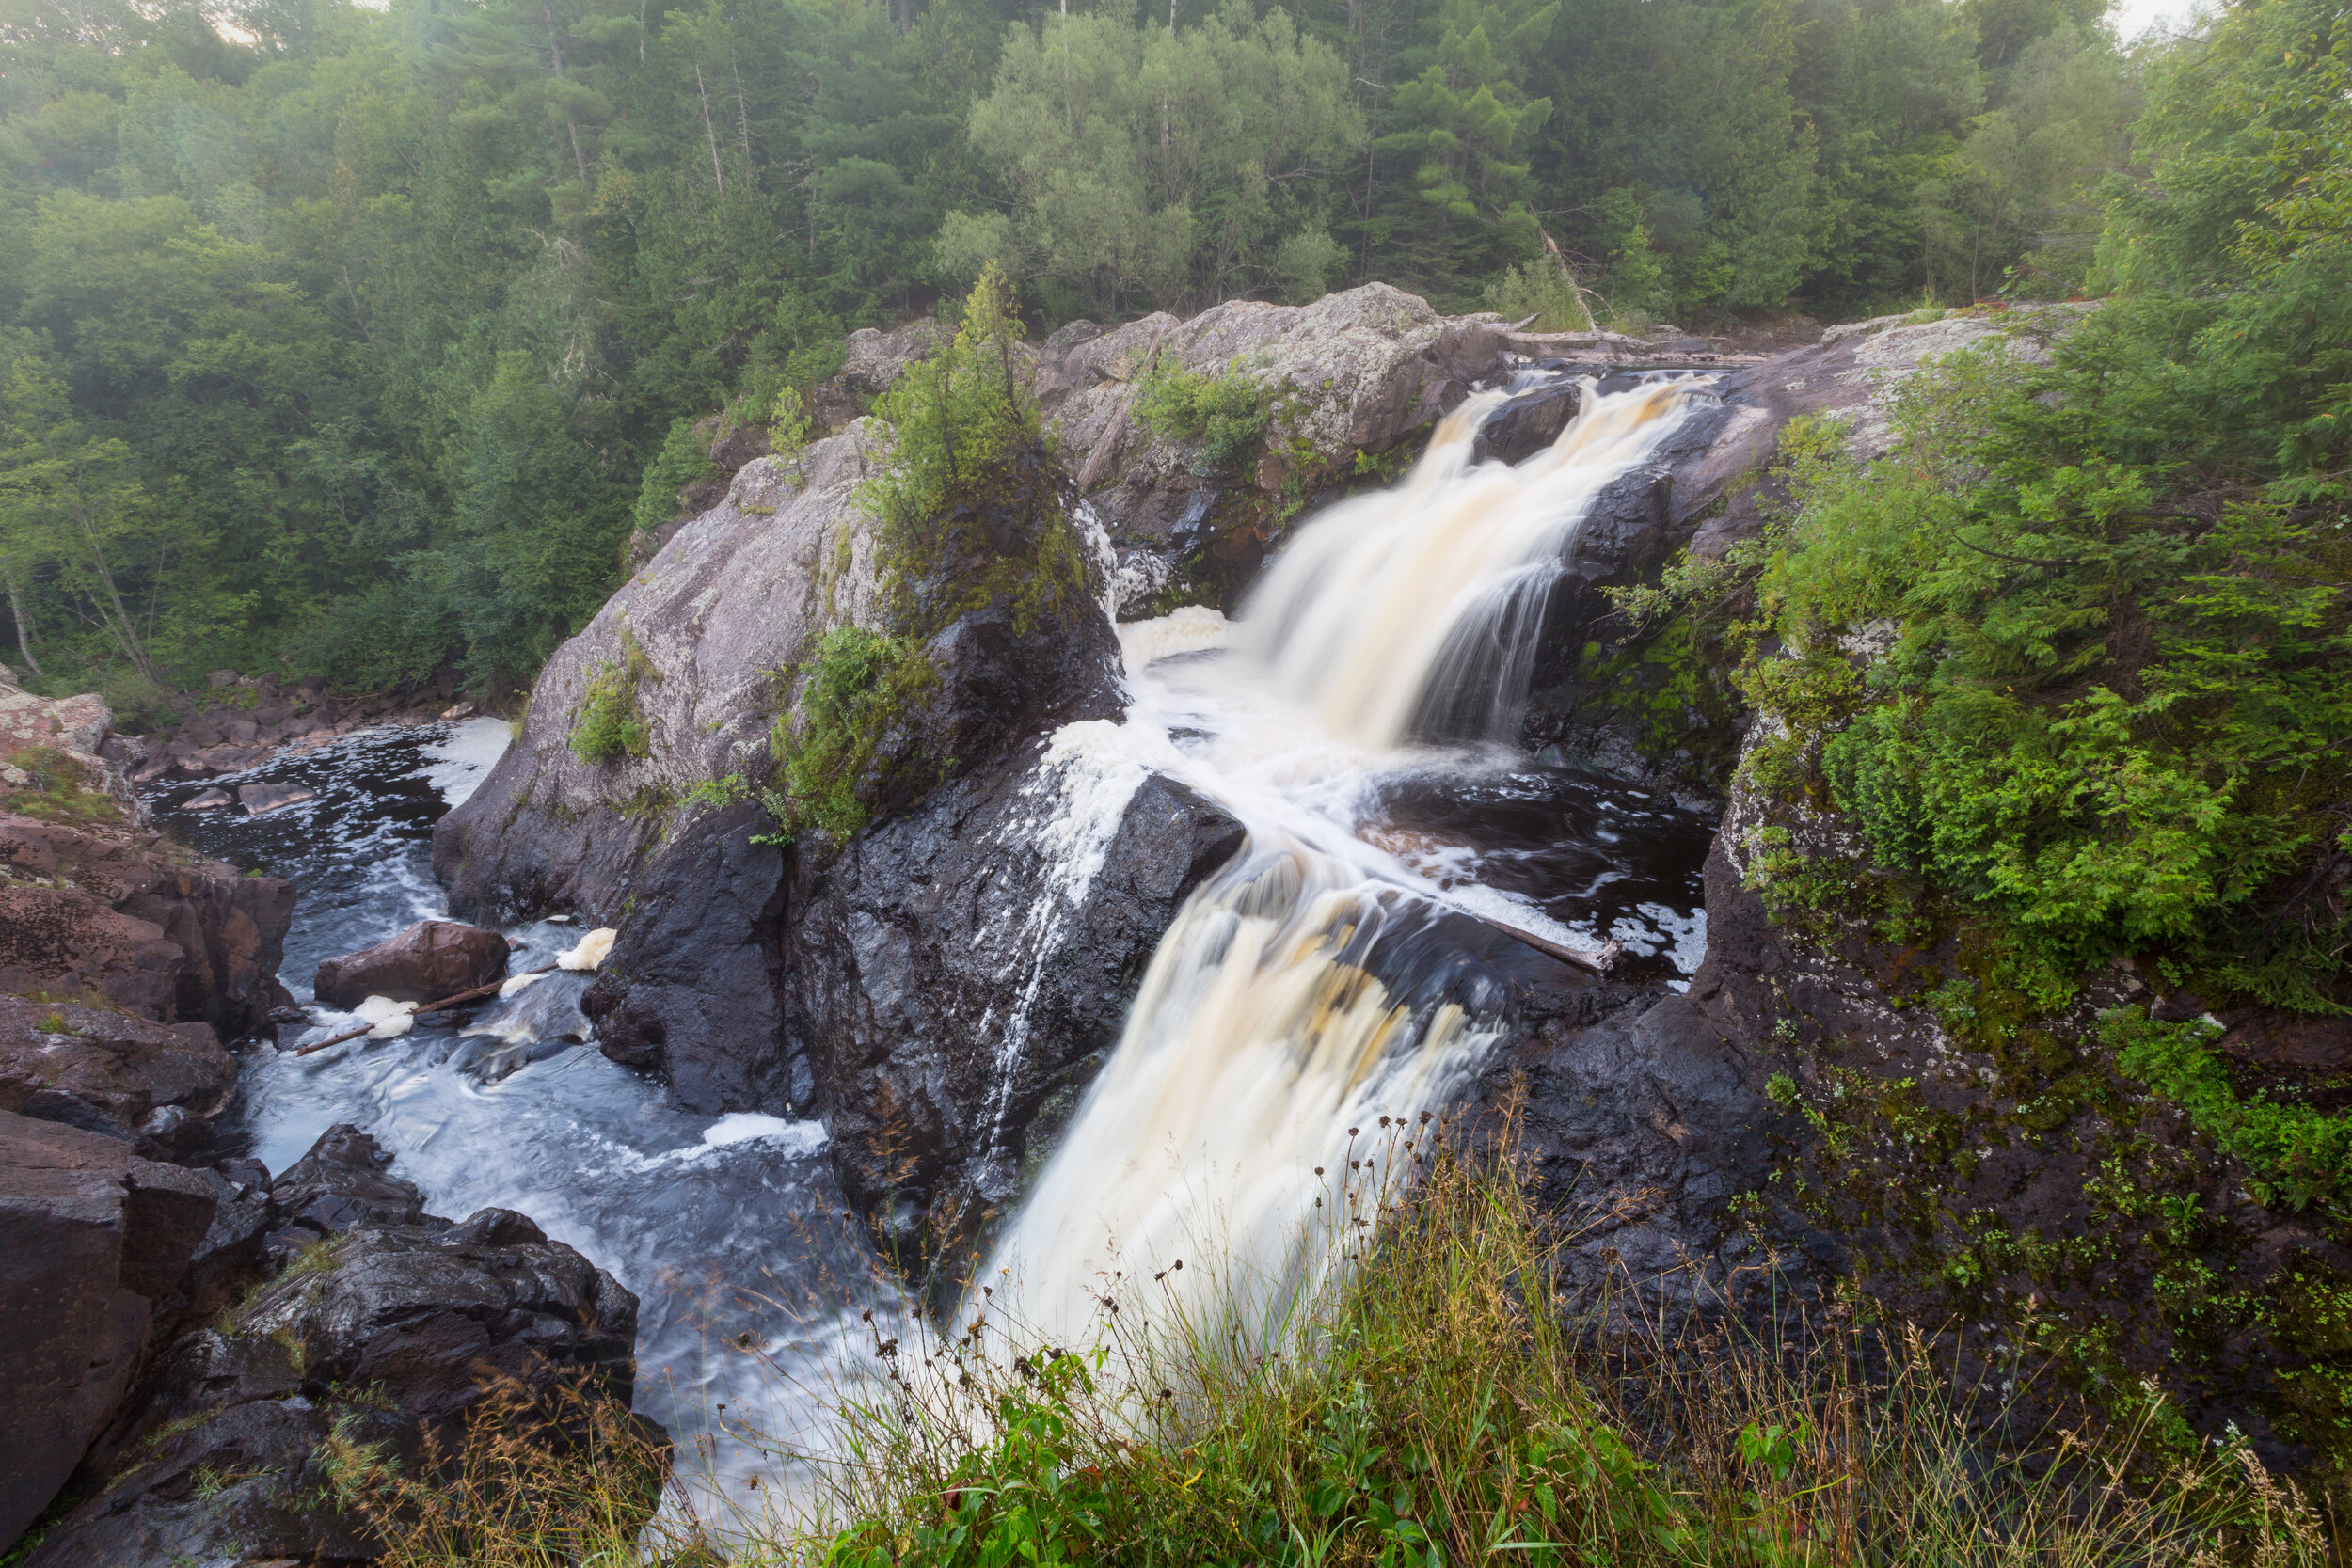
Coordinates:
<point>23,627</point>
<point>711,136</point>
<point>125,632</point>
<point>555,54</point>
<point>742,110</point>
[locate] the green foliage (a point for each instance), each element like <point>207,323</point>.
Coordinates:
<point>1224,414</point>
<point>2297,1155</point>
<point>607,725</point>
<point>2107,719</point>
<point>967,505</point>
<point>1150,163</point>
<point>1543,290</point>
<point>859,685</point>
<point>683,460</point>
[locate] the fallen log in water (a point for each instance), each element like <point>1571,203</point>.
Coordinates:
<point>1597,963</point>
<point>475,994</point>
<point>585,958</point>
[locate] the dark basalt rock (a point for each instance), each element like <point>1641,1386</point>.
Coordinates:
<point>92,1240</point>
<point>342,1183</point>
<point>698,994</point>
<point>1641,1128</point>
<point>1527,424</point>
<point>945,986</point>
<point>385,1325</point>
<point>431,960</point>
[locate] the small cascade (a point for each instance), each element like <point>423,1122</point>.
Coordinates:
<point>1313,987</point>
<point>1423,605</point>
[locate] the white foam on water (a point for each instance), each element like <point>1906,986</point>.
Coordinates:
<point>463,757</point>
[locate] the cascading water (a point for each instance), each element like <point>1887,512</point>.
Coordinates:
<point>1313,985</point>
<point>1320,978</point>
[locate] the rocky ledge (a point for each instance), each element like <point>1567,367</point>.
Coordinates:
<point>122,919</point>
<point>199,1354</point>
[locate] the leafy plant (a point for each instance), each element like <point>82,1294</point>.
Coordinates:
<point>2297,1155</point>
<point>1223,414</point>
<point>1541,288</point>
<point>608,726</point>
<point>861,683</point>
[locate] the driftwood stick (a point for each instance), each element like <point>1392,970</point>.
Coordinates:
<point>1598,963</point>
<point>473,995</point>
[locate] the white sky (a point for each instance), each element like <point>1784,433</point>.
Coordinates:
<point>2135,17</point>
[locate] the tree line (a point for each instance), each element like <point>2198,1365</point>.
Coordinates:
<point>347,340</point>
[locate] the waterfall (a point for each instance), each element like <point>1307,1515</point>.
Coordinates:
<point>1307,990</point>
<point>1429,597</point>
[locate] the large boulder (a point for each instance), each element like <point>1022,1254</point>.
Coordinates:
<point>695,639</point>
<point>431,960</point>
<point>157,1084</point>
<point>125,917</point>
<point>383,1327</point>
<point>700,997</point>
<point>92,1240</point>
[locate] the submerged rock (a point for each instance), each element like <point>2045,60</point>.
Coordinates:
<point>431,959</point>
<point>257,799</point>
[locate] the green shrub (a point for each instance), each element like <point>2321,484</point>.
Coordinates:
<point>683,460</point>
<point>2104,721</point>
<point>2296,1155</point>
<point>607,725</point>
<point>1224,414</point>
<point>861,683</point>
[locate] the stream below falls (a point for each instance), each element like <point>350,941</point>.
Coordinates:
<point>1324,976</point>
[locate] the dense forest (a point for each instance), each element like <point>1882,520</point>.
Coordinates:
<point>339,339</point>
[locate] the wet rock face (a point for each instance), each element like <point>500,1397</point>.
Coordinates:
<point>1527,424</point>
<point>116,913</point>
<point>431,960</point>
<point>381,1324</point>
<point>699,998</point>
<point>1640,1130</point>
<point>157,1085</point>
<point>93,1240</point>
<point>952,975</point>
